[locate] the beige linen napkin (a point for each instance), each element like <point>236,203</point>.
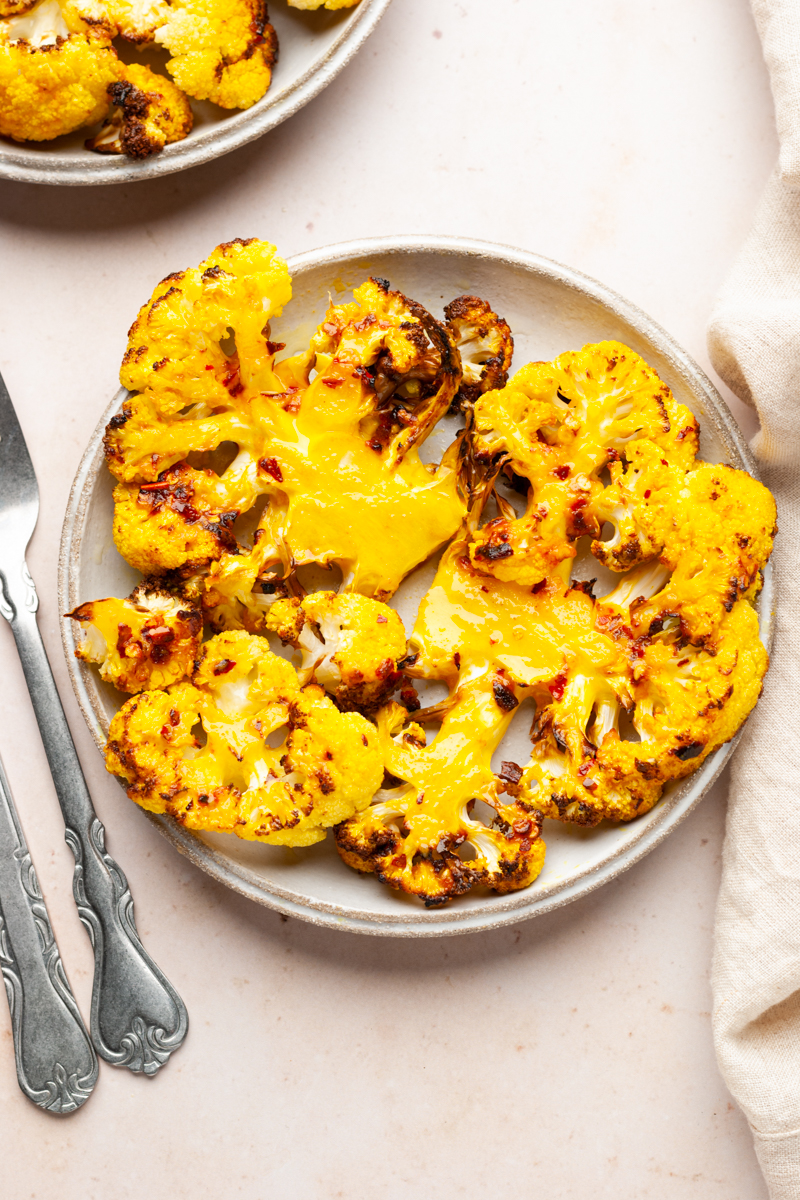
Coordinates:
<point>754,341</point>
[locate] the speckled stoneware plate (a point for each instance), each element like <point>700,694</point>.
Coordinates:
<point>314,46</point>
<point>550,309</point>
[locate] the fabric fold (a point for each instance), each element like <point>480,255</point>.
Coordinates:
<point>754,342</point>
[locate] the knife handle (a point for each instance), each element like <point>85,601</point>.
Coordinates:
<point>56,1062</point>
<point>138,1019</point>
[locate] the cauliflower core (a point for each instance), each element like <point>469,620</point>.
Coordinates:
<point>233,779</point>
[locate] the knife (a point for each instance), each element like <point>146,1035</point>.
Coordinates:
<point>137,1018</point>
<point>56,1062</point>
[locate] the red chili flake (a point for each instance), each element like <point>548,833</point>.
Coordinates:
<point>562,472</point>
<point>364,739</point>
<point>557,687</point>
<point>270,466</point>
<point>223,667</point>
<point>381,619</point>
<point>664,462</point>
<point>174,717</point>
<point>209,366</point>
<point>647,494</point>
<point>331,381</point>
<point>166,732</point>
<point>160,635</point>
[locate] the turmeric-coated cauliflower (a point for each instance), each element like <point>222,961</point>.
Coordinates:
<point>485,344</point>
<point>237,781</point>
<point>55,70</point>
<point>150,640</point>
<point>222,50</point>
<point>148,112</point>
<point>314,434</point>
<point>351,644</point>
<point>236,469</point>
<point>557,425</point>
<point>341,457</point>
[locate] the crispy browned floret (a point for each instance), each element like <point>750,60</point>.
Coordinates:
<point>485,343</point>
<point>149,640</point>
<point>148,112</point>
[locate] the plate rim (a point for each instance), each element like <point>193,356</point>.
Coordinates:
<point>515,906</point>
<point>59,169</point>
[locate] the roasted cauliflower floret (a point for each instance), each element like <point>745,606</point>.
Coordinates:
<point>351,644</point>
<point>55,70</point>
<point>710,527</point>
<point>150,640</point>
<point>557,425</point>
<point>682,701</point>
<point>148,112</point>
<point>196,353</point>
<point>222,50</point>
<point>485,344</point>
<point>178,523</point>
<point>328,767</point>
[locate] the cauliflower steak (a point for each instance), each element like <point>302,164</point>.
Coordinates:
<point>237,467</point>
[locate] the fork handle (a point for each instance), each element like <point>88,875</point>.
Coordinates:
<point>137,1018</point>
<point>56,1062</point>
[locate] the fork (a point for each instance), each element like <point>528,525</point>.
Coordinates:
<point>137,1018</point>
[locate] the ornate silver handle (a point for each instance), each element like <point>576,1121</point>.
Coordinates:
<point>56,1063</point>
<point>137,1019</point>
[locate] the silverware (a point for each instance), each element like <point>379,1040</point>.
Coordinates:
<point>56,1062</point>
<point>137,1018</point>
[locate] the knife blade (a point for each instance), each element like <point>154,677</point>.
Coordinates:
<point>137,1018</point>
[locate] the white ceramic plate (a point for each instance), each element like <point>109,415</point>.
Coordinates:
<point>550,309</point>
<point>314,46</point>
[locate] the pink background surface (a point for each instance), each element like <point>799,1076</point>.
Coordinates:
<point>569,1056</point>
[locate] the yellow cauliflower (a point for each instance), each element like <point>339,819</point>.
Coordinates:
<point>148,112</point>
<point>351,644</point>
<point>556,426</point>
<point>55,70</point>
<point>327,768</point>
<point>485,344</point>
<point>709,526</point>
<point>150,640</point>
<point>222,50</point>
<point>384,372</point>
